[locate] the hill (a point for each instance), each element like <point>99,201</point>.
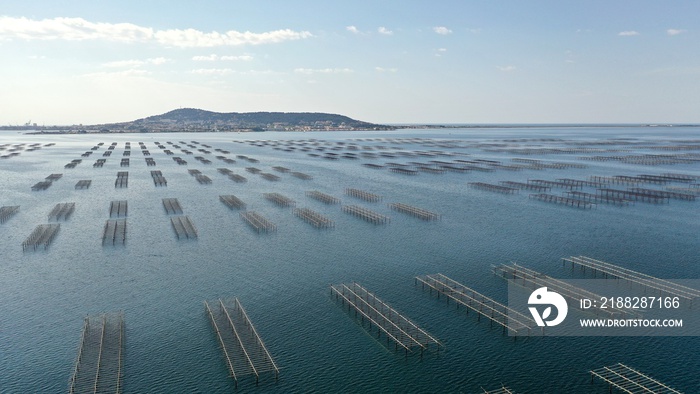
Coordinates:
<point>192,119</point>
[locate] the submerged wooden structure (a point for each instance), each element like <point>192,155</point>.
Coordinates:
<point>377,314</point>
<point>572,202</point>
<point>414,211</point>
<point>99,366</point>
<point>500,390</point>
<point>323,197</point>
<point>258,222</point>
<point>609,270</point>
<point>279,199</point>
<point>633,195</point>
<point>270,176</point>
<point>493,188</point>
<point>83,184</point>
<point>533,279</point>
<point>314,218</point>
<point>366,214</point>
<point>122,180</point>
<point>665,193</point>
<point>118,209</point>
<point>172,206</point>
<point>183,226</point>
<point>301,175</point>
<point>158,178</point>
<point>527,186</point>
<point>597,198</point>
<point>244,351</point>
<point>232,201</point>
<point>509,319</point>
<point>42,236</point>
<point>62,211</point>
<point>237,178</point>
<point>363,195</point>
<point>630,381</point>
<point>7,212</point>
<point>43,185</point>
<point>114,232</point>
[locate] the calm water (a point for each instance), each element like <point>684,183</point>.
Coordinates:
<point>283,278</point>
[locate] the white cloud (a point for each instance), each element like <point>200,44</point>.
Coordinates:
<point>674,32</point>
<point>388,70</point>
<point>244,58</point>
<point>442,30</point>
<point>209,58</point>
<point>214,57</point>
<point>157,60</point>
<point>506,68</point>
<point>310,71</point>
<point>628,33</point>
<point>212,71</point>
<point>385,31</point>
<point>79,29</point>
<point>137,63</point>
<point>352,29</point>
<point>124,63</point>
<point>442,49</point>
<point>124,73</point>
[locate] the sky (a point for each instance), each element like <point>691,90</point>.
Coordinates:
<point>452,61</point>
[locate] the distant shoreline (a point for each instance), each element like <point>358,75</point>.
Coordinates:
<point>59,130</point>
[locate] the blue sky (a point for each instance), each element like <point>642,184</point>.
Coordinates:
<point>380,61</point>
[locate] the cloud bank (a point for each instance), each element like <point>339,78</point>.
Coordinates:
<point>79,29</point>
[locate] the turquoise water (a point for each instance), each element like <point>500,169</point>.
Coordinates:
<point>282,279</point>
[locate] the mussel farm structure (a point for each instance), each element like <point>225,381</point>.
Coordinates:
<point>172,206</point>
<point>122,180</point>
<point>313,218</point>
<point>301,175</point>
<point>378,315</point>
<point>500,390</point>
<point>653,198</point>
<point>62,211</point>
<point>608,270</point>
<point>572,202</point>
<point>83,184</point>
<point>158,178</point>
<point>244,351</point>
<point>118,209</point>
<point>114,232</point>
<point>493,188</point>
<point>363,195</point>
<point>533,279</point>
<point>42,236</point>
<point>258,222</point>
<point>323,197</point>
<point>269,176</point>
<point>7,212</point>
<point>232,201</point>
<point>279,199</point>
<point>629,380</point>
<point>414,211</point>
<point>527,186</point>
<point>99,366</point>
<point>509,319</point>
<point>183,226</point>
<point>366,214</point>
